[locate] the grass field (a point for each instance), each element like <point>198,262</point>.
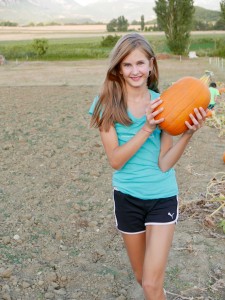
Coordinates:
<point>84,42</point>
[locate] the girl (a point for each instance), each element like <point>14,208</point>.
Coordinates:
<point>145,188</point>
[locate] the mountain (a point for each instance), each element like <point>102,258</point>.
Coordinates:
<point>69,11</point>
<point>26,11</point>
<point>203,15</point>
<point>64,11</point>
<point>206,15</point>
<point>105,10</point>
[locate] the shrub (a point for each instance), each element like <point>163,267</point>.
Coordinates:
<point>109,40</point>
<point>220,48</point>
<point>40,46</point>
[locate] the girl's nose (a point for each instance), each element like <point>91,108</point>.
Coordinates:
<point>135,70</point>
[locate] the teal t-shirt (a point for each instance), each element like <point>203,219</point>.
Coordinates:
<point>141,176</point>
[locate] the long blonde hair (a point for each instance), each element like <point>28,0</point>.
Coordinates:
<point>112,106</point>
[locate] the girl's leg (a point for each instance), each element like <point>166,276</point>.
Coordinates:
<point>158,242</point>
<point>135,246</point>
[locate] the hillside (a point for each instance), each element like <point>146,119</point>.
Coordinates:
<point>69,11</point>
<point>206,15</point>
<point>201,14</point>
<point>24,12</point>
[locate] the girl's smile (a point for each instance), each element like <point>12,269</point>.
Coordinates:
<point>136,78</point>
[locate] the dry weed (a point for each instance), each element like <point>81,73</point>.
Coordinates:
<point>218,118</point>
<point>210,210</point>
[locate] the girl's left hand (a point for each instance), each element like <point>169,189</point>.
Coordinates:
<point>197,120</point>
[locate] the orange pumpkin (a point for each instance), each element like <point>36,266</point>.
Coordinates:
<point>224,157</point>
<point>221,90</point>
<point>179,100</point>
<point>209,113</point>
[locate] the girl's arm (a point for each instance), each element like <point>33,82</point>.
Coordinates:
<point>169,153</point>
<point>119,155</point>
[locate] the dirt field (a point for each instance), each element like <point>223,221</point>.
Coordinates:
<point>69,31</point>
<point>57,238</point>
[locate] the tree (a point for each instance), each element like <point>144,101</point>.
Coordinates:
<point>222,7</point>
<point>119,24</point>
<point>175,18</point>
<point>40,46</point>
<point>142,23</point>
<point>122,24</point>
<point>112,25</point>
<point>220,25</point>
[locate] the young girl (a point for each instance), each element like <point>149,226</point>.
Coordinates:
<point>145,187</point>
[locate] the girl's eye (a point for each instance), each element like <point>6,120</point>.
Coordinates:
<point>140,63</point>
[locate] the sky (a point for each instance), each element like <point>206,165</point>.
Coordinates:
<point>208,4</point>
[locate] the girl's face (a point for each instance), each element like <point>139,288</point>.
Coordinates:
<point>135,68</point>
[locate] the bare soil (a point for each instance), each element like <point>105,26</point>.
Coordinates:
<point>70,31</point>
<point>58,238</point>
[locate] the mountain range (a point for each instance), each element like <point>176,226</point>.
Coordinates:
<point>69,11</point>
<point>65,11</point>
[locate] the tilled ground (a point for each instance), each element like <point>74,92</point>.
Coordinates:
<point>58,239</point>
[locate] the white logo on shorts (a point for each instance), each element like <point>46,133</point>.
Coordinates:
<point>171,215</point>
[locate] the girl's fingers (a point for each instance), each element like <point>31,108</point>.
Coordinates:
<point>197,119</point>
<point>158,121</point>
<point>158,111</point>
<point>203,112</point>
<point>152,121</point>
<point>152,106</point>
<point>189,126</point>
<point>151,114</point>
<point>194,120</point>
<point>198,114</point>
<point>156,101</point>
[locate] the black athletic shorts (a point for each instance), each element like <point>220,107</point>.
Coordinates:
<point>211,106</point>
<point>133,214</point>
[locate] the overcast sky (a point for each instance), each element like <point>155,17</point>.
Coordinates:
<point>209,4</point>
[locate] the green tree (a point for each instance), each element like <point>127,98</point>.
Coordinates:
<point>110,40</point>
<point>8,23</point>
<point>112,25</point>
<point>222,7</point>
<point>119,24</point>
<point>175,18</point>
<point>40,46</point>
<point>220,24</point>
<point>142,23</point>
<point>122,24</point>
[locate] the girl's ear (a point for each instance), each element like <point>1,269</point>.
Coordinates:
<point>151,62</point>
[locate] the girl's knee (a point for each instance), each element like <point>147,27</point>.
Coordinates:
<point>153,287</point>
<point>149,285</point>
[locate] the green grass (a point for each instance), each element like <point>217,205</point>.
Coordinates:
<point>57,50</point>
<point>90,47</point>
<point>173,276</point>
<point>13,257</point>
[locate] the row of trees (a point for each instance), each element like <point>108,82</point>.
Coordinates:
<point>175,18</point>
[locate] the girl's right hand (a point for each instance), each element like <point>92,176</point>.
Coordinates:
<point>151,112</point>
